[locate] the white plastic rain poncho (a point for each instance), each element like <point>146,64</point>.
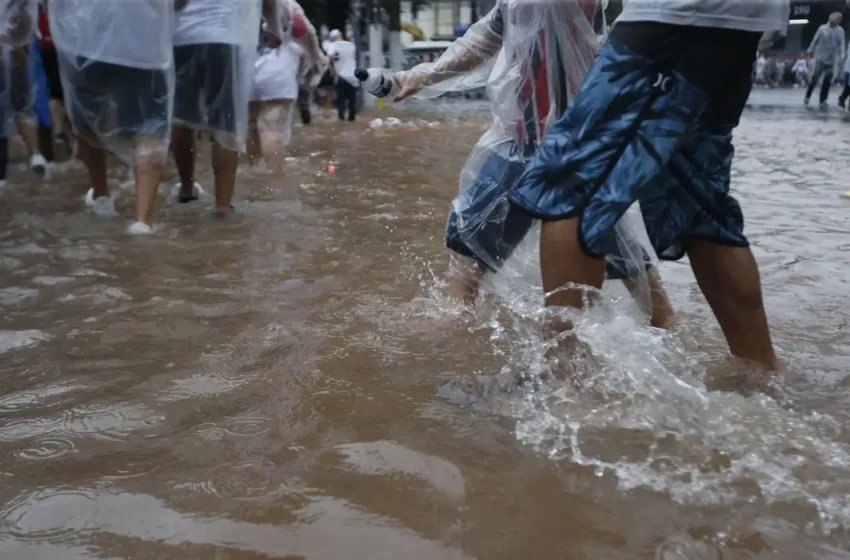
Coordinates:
<point>116,62</point>
<point>18,22</point>
<point>215,45</point>
<point>532,55</point>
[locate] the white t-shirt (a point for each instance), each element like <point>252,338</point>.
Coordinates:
<point>276,73</point>
<point>343,54</point>
<point>745,15</point>
<point>134,33</point>
<point>217,21</point>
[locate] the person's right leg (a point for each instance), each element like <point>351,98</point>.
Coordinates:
<point>225,163</point>
<point>729,278</point>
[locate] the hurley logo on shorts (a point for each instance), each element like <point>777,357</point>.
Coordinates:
<point>663,82</point>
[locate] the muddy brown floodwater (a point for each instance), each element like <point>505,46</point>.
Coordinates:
<point>270,386</point>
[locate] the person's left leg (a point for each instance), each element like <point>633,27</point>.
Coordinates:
<point>272,119</point>
<point>729,278</point>
<point>352,103</point>
<point>188,61</point>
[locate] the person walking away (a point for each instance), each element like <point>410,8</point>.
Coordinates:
<point>275,91</point>
<point>827,50</point>
<point>653,123</point>
<point>344,59</point>
<point>215,45</point>
<point>116,63</point>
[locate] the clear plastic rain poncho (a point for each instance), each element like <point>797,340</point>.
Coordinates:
<point>18,22</point>
<point>215,46</point>
<point>532,56</point>
<point>298,28</point>
<point>116,62</point>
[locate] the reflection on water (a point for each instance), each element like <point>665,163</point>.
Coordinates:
<point>292,384</point>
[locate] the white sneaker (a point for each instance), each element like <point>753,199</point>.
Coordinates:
<point>38,164</point>
<point>197,192</point>
<point>140,228</point>
<point>103,207</point>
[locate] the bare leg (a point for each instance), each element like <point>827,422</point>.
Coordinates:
<point>563,262</point>
<point>729,278</point>
<point>225,162</point>
<point>95,162</point>
<point>183,148</point>
<point>465,279</point>
<point>147,173</point>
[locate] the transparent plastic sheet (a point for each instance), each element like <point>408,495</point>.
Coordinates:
<point>276,78</point>
<point>116,63</point>
<point>215,47</point>
<point>18,21</point>
<point>18,91</point>
<point>300,30</point>
<point>532,55</point>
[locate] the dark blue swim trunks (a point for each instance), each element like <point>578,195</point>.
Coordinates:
<point>652,123</point>
<point>492,227</point>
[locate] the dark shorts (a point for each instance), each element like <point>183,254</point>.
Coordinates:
<point>205,89</point>
<point>50,61</point>
<point>652,123</point>
<point>492,227</point>
<point>110,99</point>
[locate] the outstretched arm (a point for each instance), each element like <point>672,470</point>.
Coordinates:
<point>478,46</point>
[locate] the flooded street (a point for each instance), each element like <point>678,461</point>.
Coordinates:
<point>269,386</point>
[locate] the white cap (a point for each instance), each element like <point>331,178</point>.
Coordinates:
<point>335,34</point>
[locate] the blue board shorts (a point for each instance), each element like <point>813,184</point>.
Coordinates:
<point>652,123</point>
<point>494,228</point>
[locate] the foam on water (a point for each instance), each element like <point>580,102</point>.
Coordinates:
<point>11,340</point>
<point>639,409</point>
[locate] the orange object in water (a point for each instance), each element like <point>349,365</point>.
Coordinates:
<point>331,169</point>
